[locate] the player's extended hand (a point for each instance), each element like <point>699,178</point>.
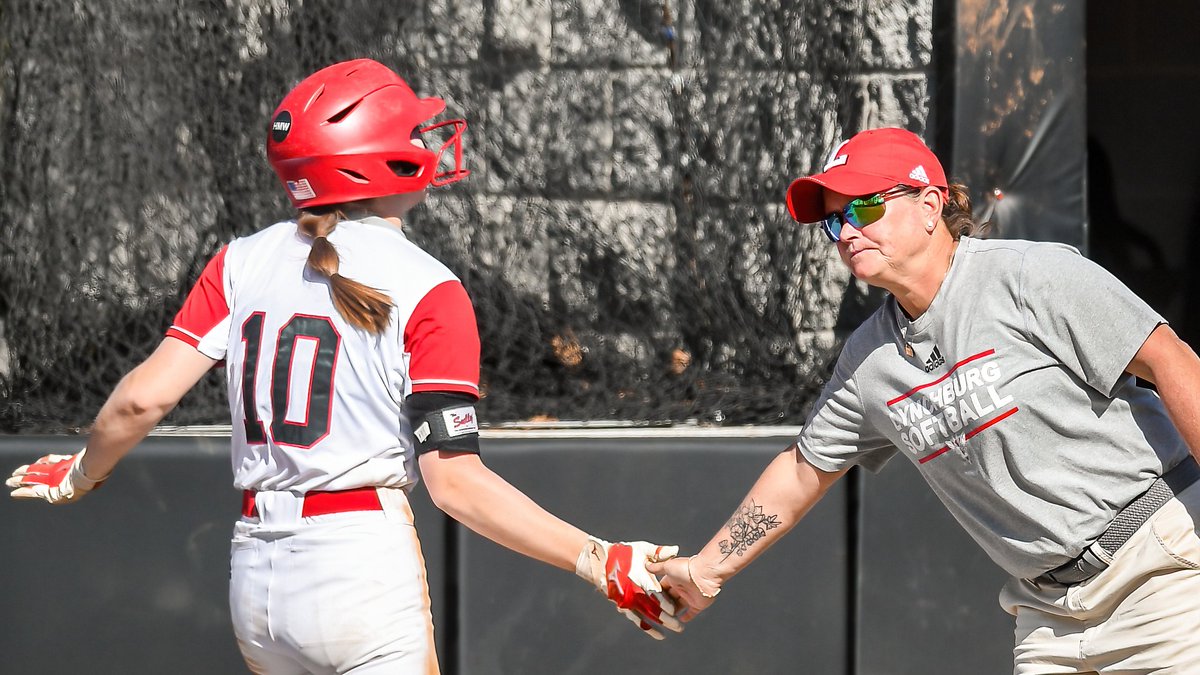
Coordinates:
<point>619,572</point>
<point>688,582</point>
<point>59,479</point>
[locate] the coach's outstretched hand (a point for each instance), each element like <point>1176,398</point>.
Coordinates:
<point>59,479</point>
<point>619,572</point>
<point>689,583</point>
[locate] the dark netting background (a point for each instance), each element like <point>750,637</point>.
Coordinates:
<point>623,234</point>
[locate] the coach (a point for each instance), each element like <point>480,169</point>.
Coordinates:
<point>1005,371</point>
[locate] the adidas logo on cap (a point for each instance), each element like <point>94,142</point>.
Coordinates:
<point>919,174</point>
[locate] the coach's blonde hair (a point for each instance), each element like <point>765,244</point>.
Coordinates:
<point>367,308</point>
<point>956,213</point>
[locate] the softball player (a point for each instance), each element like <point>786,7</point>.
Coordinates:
<point>353,366</point>
<point>1004,370</point>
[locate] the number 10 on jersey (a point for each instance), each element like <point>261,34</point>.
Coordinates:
<point>319,401</point>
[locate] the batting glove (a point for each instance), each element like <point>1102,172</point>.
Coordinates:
<point>59,479</point>
<point>619,572</point>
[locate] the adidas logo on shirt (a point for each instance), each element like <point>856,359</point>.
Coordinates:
<point>935,360</point>
<point>919,174</point>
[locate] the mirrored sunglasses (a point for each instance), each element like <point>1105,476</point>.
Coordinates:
<point>862,211</point>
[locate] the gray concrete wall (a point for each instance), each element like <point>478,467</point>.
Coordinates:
<point>634,186</point>
<point>626,204</point>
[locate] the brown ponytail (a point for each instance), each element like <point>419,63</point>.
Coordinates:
<point>362,306</point>
<point>957,214</point>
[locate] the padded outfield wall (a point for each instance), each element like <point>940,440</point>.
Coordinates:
<point>877,580</point>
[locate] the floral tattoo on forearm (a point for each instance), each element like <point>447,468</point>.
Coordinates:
<point>748,525</point>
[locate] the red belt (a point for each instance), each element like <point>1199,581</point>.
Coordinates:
<point>322,503</point>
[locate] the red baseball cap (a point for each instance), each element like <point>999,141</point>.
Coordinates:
<point>871,161</point>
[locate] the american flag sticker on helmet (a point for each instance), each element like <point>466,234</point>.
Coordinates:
<point>300,189</point>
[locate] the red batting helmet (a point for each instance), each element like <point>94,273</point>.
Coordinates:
<point>351,131</point>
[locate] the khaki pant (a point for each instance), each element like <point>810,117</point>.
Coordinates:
<point>1140,615</point>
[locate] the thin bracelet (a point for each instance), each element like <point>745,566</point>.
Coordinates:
<point>693,580</point>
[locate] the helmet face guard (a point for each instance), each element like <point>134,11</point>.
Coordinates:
<point>455,140</point>
<point>347,133</point>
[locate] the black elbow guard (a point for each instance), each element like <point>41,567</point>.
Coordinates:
<point>443,421</point>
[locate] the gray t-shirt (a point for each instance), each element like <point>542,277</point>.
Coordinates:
<point>1009,396</point>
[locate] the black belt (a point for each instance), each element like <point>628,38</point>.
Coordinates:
<point>1094,558</point>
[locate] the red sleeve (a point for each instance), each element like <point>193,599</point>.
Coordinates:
<point>443,342</point>
<point>205,306</point>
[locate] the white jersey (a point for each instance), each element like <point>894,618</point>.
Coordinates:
<point>315,401</point>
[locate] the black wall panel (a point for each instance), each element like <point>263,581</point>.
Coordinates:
<point>134,579</point>
<point>785,614</point>
<point>927,592</point>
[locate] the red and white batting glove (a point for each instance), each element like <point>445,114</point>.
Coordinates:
<point>59,479</point>
<point>619,572</point>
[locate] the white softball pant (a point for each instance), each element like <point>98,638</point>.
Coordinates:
<point>1139,616</point>
<point>335,593</point>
